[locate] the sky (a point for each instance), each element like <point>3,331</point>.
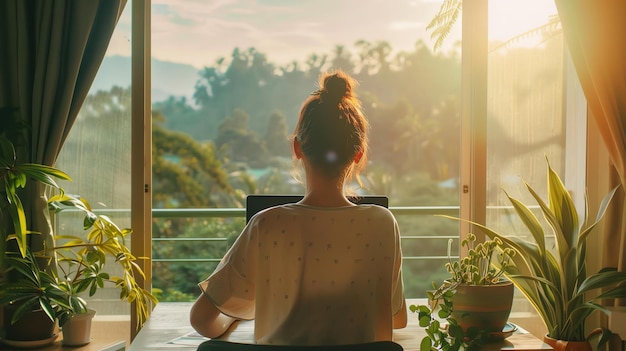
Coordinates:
<point>198,32</point>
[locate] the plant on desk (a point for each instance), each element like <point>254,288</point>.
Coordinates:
<point>80,270</point>
<point>475,301</point>
<point>50,283</point>
<point>29,293</point>
<point>82,261</point>
<point>556,282</point>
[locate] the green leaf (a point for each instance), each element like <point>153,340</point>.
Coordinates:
<point>442,24</point>
<point>616,292</point>
<point>562,207</point>
<point>47,308</point>
<point>424,321</point>
<point>426,344</point>
<point>602,279</point>
<point>601,211</point>
<point>530,221</point>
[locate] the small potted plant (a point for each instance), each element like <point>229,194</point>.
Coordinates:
<point>32,298</point>
<point>82,268</point>
<point>475,301</point>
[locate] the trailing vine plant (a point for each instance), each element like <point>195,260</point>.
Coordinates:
<point>484,264</point>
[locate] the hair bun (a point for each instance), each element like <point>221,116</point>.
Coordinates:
<point>336,86</point>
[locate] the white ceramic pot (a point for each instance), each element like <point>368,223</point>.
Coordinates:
<point>77,329</point>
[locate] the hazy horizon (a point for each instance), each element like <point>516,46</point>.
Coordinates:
<point>198,32</point>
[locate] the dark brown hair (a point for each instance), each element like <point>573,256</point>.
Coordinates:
<point>332,129</point>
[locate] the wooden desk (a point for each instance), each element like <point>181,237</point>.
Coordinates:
<point>106,336</point>
<point>170,321</point>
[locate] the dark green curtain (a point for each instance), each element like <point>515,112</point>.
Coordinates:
<point>51,51</point>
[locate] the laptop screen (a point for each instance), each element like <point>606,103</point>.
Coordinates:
<point>256,203</point>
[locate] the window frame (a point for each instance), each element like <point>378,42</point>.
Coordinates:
<point>473,153</point>
<point>141,149</point>
<point>472,197</point>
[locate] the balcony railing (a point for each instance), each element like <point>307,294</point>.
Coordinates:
<point>398,211</point>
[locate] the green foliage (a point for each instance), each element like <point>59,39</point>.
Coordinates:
<point>171,295</point>
<point>29,286</point>
<point>442,24</point>
<point>557,283</point>
<point>82,260</point>
<point>277,135</point>
<point>14,176</point>
<point>32,283</point>
<point>236,143</point>
<point>181,278</point>
<point>479,266</point>
<point>413,94</point>
<point>184,171</point>
<point>450,337</point>
<point>484,264</point>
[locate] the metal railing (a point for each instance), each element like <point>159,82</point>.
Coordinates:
<point>398,211</point>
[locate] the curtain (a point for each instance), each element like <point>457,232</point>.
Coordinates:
<point>595,32</point>
<point>51,51</point>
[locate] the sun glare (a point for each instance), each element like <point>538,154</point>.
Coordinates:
<point>511,18</point>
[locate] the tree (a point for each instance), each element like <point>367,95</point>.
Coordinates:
<point>374,57</point>
<point>236,143</point>
<point>185,172</point>
<point>277,136</point>
<point>342,59</point>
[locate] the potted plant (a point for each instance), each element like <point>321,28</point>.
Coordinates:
<point>57,290</point>
<point>557,283</point>
<point>475,300</point>
<point>32,298</point>
<point>82,270</point>
<point>17,264</point>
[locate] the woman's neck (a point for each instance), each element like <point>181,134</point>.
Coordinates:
<point>322,191</point>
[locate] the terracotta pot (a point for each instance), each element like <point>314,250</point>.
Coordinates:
<point>77,329</point>
<point>562,345</point>
<point>486,307</point>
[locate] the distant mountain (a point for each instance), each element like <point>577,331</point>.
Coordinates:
<point>168,78</point>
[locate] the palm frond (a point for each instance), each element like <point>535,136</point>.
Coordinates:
<point>442,24</point>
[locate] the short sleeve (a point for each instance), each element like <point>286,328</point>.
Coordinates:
<point>231,287</point>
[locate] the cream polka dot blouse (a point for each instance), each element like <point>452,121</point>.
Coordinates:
<point>311,275</point>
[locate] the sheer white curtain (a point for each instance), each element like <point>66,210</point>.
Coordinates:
<point>525,117</point>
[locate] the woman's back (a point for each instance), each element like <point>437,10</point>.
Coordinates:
<point>315,275</point>
<point>322,271</point>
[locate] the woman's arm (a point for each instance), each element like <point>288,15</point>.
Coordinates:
<point>207,320</point>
